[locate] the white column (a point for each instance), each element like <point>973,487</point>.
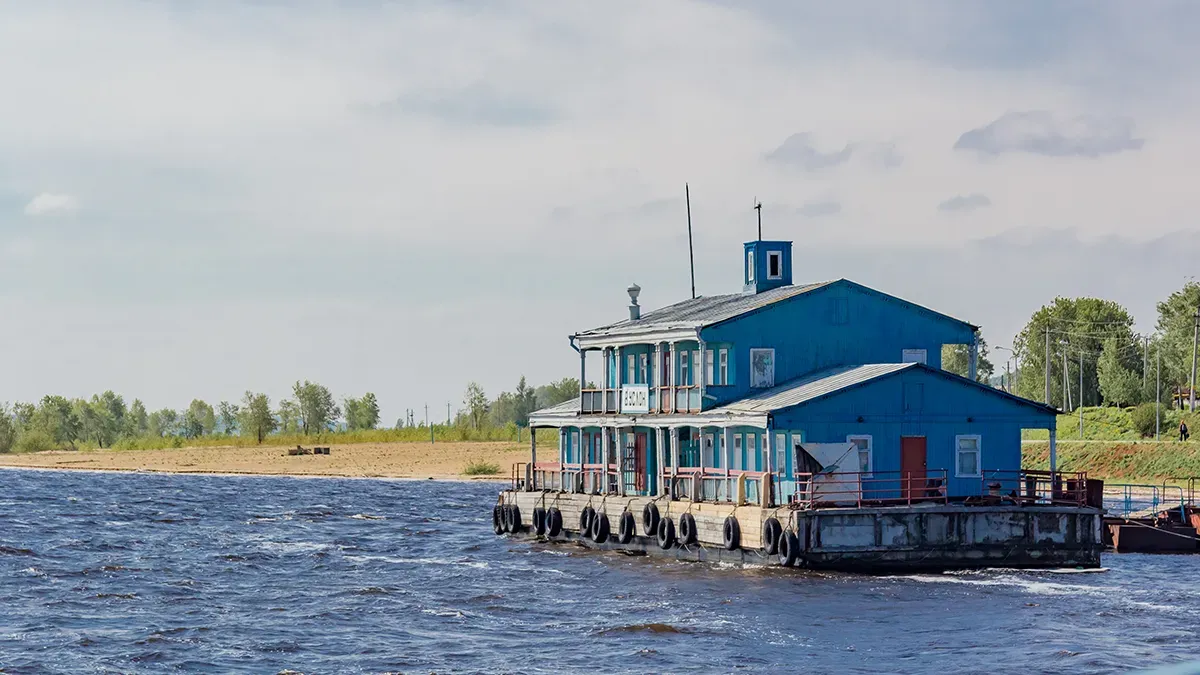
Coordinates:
<point>532,456</point>
<point>767,486</point>
<point>702,377</point>
<point>671,374</point>
<point>582,377</point>
<point>660,449</point>
<point>727,448</point>
<point>657,373</point>
<point>674,454</point>
<point>604,380</point>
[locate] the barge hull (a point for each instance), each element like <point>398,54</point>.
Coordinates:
<point>886,539</point>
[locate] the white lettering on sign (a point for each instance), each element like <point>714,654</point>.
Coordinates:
<point>635,398</point>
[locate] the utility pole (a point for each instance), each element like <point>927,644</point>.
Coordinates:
<point>447,413</point>
<point>1066,383</point>
<point>1145,359</point>
<point>1157,390</point>
<point>1081,394</point>
<point>687,196</point>
<point>1047,401</point>
<point>1008,376</point>
<point>427,423</point>
<point>1195,339</point>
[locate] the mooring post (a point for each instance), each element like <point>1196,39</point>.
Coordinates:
<point>532,456</point>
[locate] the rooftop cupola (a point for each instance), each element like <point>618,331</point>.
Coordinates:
<point>767,265</point>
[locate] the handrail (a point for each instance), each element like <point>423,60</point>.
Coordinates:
<point>1136,500</point>
<point>857,488</point>
<point>1035,486</point>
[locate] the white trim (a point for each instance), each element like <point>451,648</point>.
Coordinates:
<point>978,455</point>
<point>574,419</point>
<point>870,453</point>
<point>750,266</point>
<point>709,366</point>
<point>723,366</point>
<point>770,381</point>
<point>739,443</point>
<point>647,336</point>
<point>696,369</point>
<point>708,452</point>
<point>914,356</point>
<point>778,256</point>
<point>643,369</point>
<point>781,448</point>
<point>630,369</point>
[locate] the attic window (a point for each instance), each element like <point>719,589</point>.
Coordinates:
<point>750,266</point>
<point>774,265</point>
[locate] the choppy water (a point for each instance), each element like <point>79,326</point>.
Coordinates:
<point>153,573</point>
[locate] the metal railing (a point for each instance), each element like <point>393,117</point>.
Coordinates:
<point>1029,486</point>
<point>1132,500</point>
<point>578,478</point>
<point>851,488</point>
<point>712,485</point>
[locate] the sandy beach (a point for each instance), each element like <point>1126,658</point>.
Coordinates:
<point>366,460</point>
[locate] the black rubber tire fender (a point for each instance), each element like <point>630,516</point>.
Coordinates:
<point>626,528</point>
<point>666,534</point>
<point>789,549</point>
<point>585,520</point>
<point>515,515</point>
<point>771,531</point>
<point>539,521</point>
<point>687,529</point>
<point>553,522</point>
<point>650,520</point>
<point>506,517</point>
<point>600,527</point>
<point>498,519</point>
<point>731,534</point>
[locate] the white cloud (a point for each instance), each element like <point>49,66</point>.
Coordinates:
<point>49,203</point>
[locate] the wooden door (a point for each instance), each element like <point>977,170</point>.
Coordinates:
<point>912,466</point>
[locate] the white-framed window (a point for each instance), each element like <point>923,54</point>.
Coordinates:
<point>914,356</point>
<point>774,264</point>
<point>708,366</point>
<point>683,368</point>
<point>862,448</point>
<point>737,451</point>
<point>630,360</point>
<point>644,363</point>
<point>696,373</point>
<point>967,456</point>
<point>578,449</point>
<point>750,266</point>
<point>781,453</point>
<point>762,368</point>
<point>723,366</point>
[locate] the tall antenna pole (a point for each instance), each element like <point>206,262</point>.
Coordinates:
<point>1047,364</point>
<point>1195,339</point>
<point>687,196</point>
<point>1157,389</point>
<point>1081,394</point>
<point>758,207</point>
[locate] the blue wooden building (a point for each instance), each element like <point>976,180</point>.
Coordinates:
<point>787,382</point>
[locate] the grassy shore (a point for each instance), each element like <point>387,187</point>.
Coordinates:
<point>460,460</point>
<point>1126,461</point>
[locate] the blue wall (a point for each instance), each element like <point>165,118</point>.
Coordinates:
<point>949,407</point>
<point>840,324</point>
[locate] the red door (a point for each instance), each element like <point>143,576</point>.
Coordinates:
<point>639,458</point>
<point>912,466</point>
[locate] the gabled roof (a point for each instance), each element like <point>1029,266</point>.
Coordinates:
<point>812,387</point>
<point>702,311</point>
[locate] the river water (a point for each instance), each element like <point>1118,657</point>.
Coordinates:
<point>151,573</point>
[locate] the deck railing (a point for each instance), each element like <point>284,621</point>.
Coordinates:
<point>1132,500</point>
<point>713,485</point>
<point>1029,486</point>
<point>850,488</point>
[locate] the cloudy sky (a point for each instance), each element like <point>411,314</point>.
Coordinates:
<point>202,198</point>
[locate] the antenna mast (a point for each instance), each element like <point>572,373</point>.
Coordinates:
<point>687,195</point>
<point>758,207</point>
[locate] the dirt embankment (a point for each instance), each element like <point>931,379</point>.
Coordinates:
<point>377,460</point>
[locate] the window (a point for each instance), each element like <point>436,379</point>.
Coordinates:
<point>708,366</point>
<point>966,464</point>
<point>576,447</point>
<point>683,369</point>
<point>737,451</point>
<point>707,455</point>
<point>665,373</point>
<point>914,356</point>
<point>781,453</point>
<point>642,369</point>
<point>723,368</point>
<point>774,265</point>
<point>862,447</point>
<point>762,368</point>
<point>695,367</point>
<point>750,267</point>
<point>629,361</point>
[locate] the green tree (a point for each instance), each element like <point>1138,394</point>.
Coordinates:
<point>957,359</point>
<point>163,422</point>
<point>556,392</point>
<point>229,417</point>
<point>1074,325</point>
<point>1176,321</point>
<point>110,407</point>
<point>525,400</point>
<point>92,421</point>
<point>256,419</point>
<point>23,415</point>
<point>289,416</point>
<point>1118,384</point>
<point>503,410</point>
<point>476,404</point>
<point>8,429</point>
<point>318,411</point>
<point>361,413</point>
<point>198,420</point>
<point>137,420</point>
<point>55,418</point>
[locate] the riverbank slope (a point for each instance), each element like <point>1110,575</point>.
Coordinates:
<point>364,460</point>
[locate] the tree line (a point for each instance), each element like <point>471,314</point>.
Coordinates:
<point>106,421</point>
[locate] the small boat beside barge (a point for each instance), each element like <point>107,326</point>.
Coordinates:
<point>808,425</point>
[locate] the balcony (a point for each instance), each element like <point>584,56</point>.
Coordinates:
<point>640,399</point>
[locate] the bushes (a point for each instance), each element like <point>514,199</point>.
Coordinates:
<point>35,440</point>
<point>1144,418</point>
<point>478,468</point>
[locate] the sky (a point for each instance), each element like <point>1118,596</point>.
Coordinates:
<point>199,199</point>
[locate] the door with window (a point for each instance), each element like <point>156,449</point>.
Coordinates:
<point>912,466</point>
<point>633,463</point>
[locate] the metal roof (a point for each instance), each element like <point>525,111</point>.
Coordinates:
<point>811,386</point>
<point>703,311</point>
<point>566,407</point>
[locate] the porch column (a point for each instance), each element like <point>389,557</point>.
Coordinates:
<point>973,359</point>
<point>727,446</point>
<point>698,484</point>
<point>532,456</point>
<point>656,376</point>
<point>660,450</point>
<point>768,482</point>
<point>604,380</point>
<point>620,462</point>
<point>671,376</point>
<point>702,376</point>
<point>674,458</point>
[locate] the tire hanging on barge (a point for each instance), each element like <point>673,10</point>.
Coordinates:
<point>498,519</point>
<point>731,534</point>
<point>666,534</point>
<point>650,520</point>
<point>514,519</point>
<point>539,521</point>
<point>687,530</point>
<point>585,520</point>
<point>600,527</point>
<point>626,528</point>
<point>770,535</point>
<point>554,522</point>
<point>789,549</point>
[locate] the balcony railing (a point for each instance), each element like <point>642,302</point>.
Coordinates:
<point>1036,487</point>
<point>817,490</point>
<point>686,399</point>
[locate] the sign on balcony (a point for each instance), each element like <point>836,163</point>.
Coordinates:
<point>635,399</point>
